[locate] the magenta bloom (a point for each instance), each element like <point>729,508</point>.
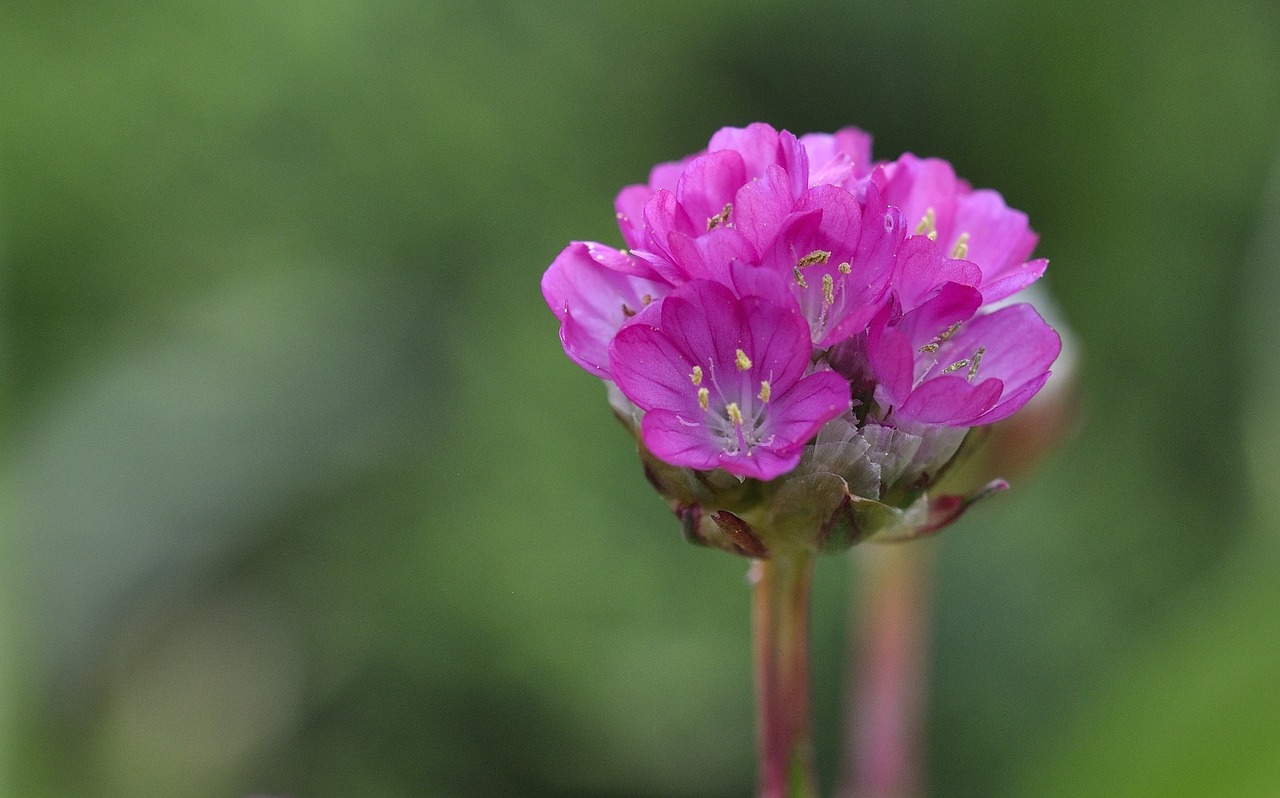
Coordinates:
<point>722,380</point>
<point>967,373</point>
<point>974,225</point>
<point>836,253</point>
<point>938,361</point>
<point>789,311</point>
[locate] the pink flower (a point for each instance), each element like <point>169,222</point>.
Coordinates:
<point>791,312</point>
<point>964,374</point>
<point>937,360</point>
<point>974,225</point>
<point>836,253</point>
<point>723,381</point>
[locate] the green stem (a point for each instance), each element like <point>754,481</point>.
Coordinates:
<point>784,737</point>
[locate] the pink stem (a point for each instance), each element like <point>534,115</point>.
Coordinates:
<point>784,742</point>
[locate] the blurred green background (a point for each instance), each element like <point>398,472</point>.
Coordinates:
<point>300,496</point>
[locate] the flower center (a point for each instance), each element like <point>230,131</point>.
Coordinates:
<point>928,225</point>
<point>972,363</point>
<point>925,366</point>
<point>739,419</point>
<point>720,218</point>
<point>628,311</point>
<point>815,257</point>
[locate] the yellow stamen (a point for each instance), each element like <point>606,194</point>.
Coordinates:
<point>928,223</point>
<point>828,289</point>
<point>704,398</point>
<point>817,256</point>
<point>800,278</point>
<point>933,345</point>
<point>766,391</point>
<point>977,358</point>
<point>735,414</point>
<point>956,366</point>
<point>645,300</point>
<point>720,218</point>
<point>743,361</point>
<point>961,249</point>
<point>845,268</point>
<point>696,375</point>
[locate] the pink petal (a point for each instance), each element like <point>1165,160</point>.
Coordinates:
<point>680,440</point>
<point>1013,280</point>
<point>801,411</point>
<point>757,143</point>
<point>999,237</point>
<point>594,301</point>
<point>761,206</point>
<point>651,372</point>
<point>708,183</point>
<point>950,400</point>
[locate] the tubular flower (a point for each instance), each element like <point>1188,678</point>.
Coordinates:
<point>800,339</point>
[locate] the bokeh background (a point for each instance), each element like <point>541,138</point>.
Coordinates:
<point>300,496</point>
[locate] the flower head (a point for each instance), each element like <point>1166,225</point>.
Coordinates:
<point>800,339</point>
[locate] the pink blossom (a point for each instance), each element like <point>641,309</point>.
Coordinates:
<point>723,381</point>
<point>773,282</point>
<point>974,225</point>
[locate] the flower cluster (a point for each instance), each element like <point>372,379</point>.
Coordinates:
<point>823,328</point>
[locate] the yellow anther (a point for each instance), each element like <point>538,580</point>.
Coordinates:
<point>645,300</point>
<point>933,235</point>
<point>961,249</point>
<point>928,223</point>
<point>845,268</point>
<point>800,278</point>
<point>933,345</point>
<point>696,375</point>
<point>720,218</point>
<point>704,398</point>
<point>627,312</point>
<point>817,256</point>
<point>973,367</point>
<point>735,414</point>
<point>956,366</point>
<point>766,391</point>
<point>828,289</point>
<point>743,361</point>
